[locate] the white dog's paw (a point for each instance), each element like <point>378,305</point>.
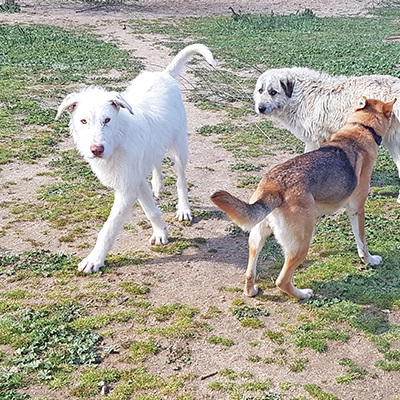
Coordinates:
<point>159,238</point>
<point>374,260</point>
<point>90,265</point>
<point>184,215</point>
<point>158,190</point>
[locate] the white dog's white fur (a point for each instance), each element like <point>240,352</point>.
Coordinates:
<point>313,105</point>
<point>125,136</point>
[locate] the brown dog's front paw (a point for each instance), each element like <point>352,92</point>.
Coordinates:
<point>251,291</point>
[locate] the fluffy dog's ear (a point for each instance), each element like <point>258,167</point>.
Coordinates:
<point>68,104</point>
<point>119,102</point>
<point>287,86</point>
<point>396,110</point>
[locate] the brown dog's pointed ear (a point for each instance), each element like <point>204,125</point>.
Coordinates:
<point>388,108</point>
<point>362,102</point>
<point>68,104</point>
<point>287,86</point>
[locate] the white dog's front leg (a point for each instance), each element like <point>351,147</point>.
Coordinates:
<point>118,215</point>
<point>149,206</point>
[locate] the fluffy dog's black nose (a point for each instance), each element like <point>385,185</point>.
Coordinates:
<point>262,108</point>
<point>97,150</point>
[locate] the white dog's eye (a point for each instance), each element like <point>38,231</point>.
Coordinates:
<point>260,90</point>
<point>83,121</point>
<point>272,92</point>
<point>107,120</point>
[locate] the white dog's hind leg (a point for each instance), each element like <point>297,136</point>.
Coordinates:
<point>183,208</point>
<point>146,200</point>
<point>157,181</point>
<point>357,220</point>
<point>118,215</point>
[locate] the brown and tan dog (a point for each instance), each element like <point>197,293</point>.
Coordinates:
<point>293,195</point>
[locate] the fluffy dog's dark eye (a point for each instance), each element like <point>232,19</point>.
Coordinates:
<point>272,92</point>
<point>83,121</point>
<point>107,120</point>
<point>260,90</point>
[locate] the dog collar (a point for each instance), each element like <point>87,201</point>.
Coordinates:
<point>377,138</point>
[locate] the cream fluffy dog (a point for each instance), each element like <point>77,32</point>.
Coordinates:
<point>124,137</point>
<point>314,105</point>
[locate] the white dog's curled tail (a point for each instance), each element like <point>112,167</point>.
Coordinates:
<point>180,60</point>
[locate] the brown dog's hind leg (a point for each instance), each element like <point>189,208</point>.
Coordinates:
<point>257,238</point>
<point>295,245</point>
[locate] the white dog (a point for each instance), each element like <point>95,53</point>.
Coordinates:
<point>313,105</point>
<point>125,136</point>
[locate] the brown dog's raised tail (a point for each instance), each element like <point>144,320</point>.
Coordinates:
<point>244,214</point>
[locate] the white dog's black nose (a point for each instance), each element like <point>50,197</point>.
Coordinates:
<point>262,108</point>
<point>97,150</point>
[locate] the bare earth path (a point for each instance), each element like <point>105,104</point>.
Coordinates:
<point>195,277</point>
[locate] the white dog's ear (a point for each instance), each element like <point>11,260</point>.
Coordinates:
<point>362,102</point>
<point>68,104</point>
<point>120,102</point>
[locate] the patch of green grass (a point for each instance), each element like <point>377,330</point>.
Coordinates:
<point>248,316</point>
<point>317,393</point>
<point>45,344</point>
<point>174,247</point>
<point>353,371</point>
<point>298,365</point>
<point>134,288</point>
<point>17,294</point>
<point>221,341</point>
<point>212,312</point>
<point>274,336</point>
<point>40,263</point>
<point>140,350</point>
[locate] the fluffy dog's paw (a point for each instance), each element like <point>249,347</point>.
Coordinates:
<point>89,265</point>
<point>184,215</point>
<point>374,260</point>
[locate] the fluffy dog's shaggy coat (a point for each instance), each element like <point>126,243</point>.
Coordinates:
<point>125,136</point>
<point>314,105</point>
<point>293,195</point>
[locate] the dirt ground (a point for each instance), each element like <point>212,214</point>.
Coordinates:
<point>194,277</point>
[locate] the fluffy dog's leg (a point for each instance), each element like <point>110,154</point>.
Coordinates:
<point>394,150</point>
<point>357,220</point>
<point>181,156</point>
<point>257,238</point>
<point>146,200</point>
<point>310,146</point>
<point>118,215</point>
